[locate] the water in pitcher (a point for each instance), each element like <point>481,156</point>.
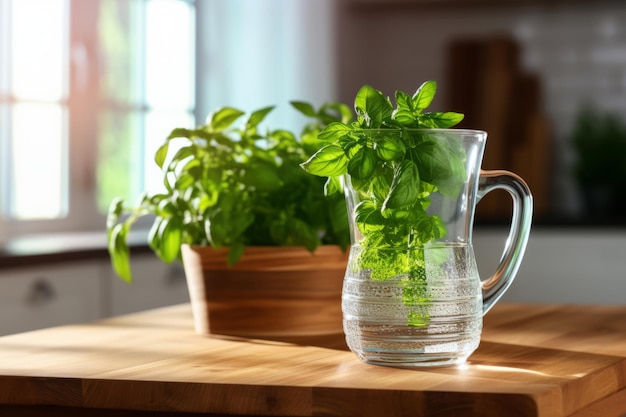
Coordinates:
<point>434,319</point>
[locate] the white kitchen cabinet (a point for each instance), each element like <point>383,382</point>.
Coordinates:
<point>155,284</point>
<point>577,266</point>
<point>51,295</point>
<point>46,295</point>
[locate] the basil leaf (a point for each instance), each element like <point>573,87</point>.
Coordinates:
<point>119,251</point>
<point>332,186</point>
<point>429,228</point>
<point>235,253</point>
<point>404,117</point>
<point>330,161</point>
<point>161,154</point>
<point>184,181</point>
<point>223,117</point>
<point>368,217</point>
<point>344,114</point>
<point>384,264</point>
<point>363,164</point>
<point>372,106</point>
<point>390,148</point>
<point>170,235</point>
<point>339,221</point>
<point>115,210</point>
<point>304,108</point>
<point>424,95</point>
<point>334,131</point>
<point>194,168</point>
<point>379,186</point>
<point>431,155</point>
<point>183,153</point>
<point>262,175</point>
<point>452,186</point>
<point>257,117</point>
<point>404,101</point>
<point>181,133</point>
<point>405,112</point>
<point>440,120</point>
<point>404,188</point>
<point>225,225</point>
<point>302,234</point>
<point>278,227</point>
<point>441,163</point>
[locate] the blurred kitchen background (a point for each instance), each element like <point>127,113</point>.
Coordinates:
<point>89,89</point>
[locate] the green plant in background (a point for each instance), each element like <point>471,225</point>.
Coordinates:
<point>228,185</point>
<point>395,164</point>
<point>599,140</point>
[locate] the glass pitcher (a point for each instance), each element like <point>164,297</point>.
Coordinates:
<point>412,295</point>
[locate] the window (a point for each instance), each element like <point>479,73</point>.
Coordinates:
<point>34,109</point>
<point>85,99</point>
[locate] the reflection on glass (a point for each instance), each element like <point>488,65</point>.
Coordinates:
<point>38,145</point>
<point>38,46</point>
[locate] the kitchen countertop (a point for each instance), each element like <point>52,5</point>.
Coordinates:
<point>534,360</point>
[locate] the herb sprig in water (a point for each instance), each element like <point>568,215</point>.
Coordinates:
<point>394,168</point>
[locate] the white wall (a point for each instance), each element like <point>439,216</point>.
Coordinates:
<point>268,52</point>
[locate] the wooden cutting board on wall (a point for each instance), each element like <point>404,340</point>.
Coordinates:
<point>496,95</point>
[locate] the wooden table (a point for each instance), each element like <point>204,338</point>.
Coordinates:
<point>534,360</point>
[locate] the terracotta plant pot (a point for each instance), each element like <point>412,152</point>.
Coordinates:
<point>271,291</point>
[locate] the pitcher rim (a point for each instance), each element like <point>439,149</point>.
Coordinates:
<point>465,131</point>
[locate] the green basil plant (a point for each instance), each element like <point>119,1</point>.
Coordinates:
<point>231,183</point>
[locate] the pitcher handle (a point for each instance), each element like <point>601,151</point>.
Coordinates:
<point>495,286</point>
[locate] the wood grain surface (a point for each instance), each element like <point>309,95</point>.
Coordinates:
<point>534,360</point>
<point>269,292</point>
